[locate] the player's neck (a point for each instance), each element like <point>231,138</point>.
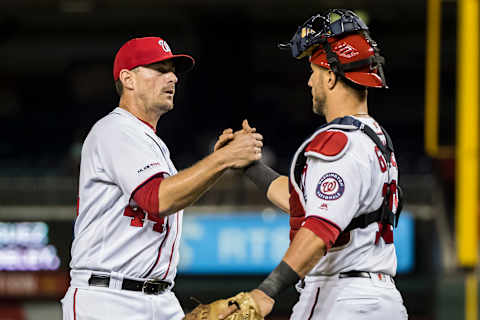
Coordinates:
<point>139,111</point>
<point>340,106</point>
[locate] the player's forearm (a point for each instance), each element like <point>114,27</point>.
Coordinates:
<point>271,183</point>
<point>304,252</point>
<point>278,193</point>
<point>184,188</point>
<point>302,255</point>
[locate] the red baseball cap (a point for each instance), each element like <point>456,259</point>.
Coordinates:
<point>351,48</point>
<point>144,51</point>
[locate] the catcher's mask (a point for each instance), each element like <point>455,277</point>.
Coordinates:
<point>339,40</point>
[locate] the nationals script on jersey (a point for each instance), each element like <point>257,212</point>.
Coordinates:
<point>112,233</point>
<point>340,188</point>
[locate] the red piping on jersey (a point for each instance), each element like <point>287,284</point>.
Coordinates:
<point>148,124</point>
<point>159,251</point>
<point>74,296</point>
<point>78,205</point>
<point>314,304</point>
<point>171,254</point>
<point>323,230</point>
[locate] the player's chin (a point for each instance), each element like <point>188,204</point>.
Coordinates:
<point>165,106</point>
<point>168,102</point>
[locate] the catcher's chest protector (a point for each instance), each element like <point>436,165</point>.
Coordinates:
<point>390,209</point>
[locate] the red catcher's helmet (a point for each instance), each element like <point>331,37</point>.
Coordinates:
<point>339,40</point>
<point>353,52</point>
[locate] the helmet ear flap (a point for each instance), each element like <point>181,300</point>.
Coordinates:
<point>379,61</point>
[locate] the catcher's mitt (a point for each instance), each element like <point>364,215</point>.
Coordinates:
<point>247,309</point>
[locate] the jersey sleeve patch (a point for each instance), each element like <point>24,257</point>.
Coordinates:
<point>328,145</point>
<point>330,186</point>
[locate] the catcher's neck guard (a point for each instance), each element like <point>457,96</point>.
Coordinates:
<point>317,33</point>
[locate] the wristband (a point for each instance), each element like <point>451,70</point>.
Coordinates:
<point>281,278</point>
<point>261,174</point>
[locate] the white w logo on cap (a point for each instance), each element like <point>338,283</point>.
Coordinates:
<point>164,46</point>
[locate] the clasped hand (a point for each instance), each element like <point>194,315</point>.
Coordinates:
<point>242,147</point>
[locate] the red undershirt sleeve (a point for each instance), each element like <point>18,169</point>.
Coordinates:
<point>147,195</point>
<point>324,229</point>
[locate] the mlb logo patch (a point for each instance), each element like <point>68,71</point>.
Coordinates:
<point>330,187</point>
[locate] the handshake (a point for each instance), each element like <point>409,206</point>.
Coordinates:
<point>239,149</point>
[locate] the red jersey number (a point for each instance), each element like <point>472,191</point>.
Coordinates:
<point>381,159</point>
<point>138,217</point>
<point>385,232</point>
<point>159,222</point>
<point>389,190</point>
<point>136,214</point>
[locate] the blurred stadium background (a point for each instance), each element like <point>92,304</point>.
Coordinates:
<point>56,61</point>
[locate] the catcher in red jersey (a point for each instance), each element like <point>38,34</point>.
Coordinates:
<point>342,191</point>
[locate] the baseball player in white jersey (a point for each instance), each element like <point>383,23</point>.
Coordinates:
<point>342,193</point>
<point>131,198</point>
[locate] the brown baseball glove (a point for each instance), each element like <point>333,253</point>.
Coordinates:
<point>247,309</point>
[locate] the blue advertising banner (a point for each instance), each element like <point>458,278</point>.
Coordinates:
<point>254,243</point>
<point>404,240</point>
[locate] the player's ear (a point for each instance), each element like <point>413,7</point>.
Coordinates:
<point>127,78</point>
<point>331,79</point>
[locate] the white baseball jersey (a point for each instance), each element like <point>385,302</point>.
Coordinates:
<point>339,187</point>
<point>112,234</point>
<point>343,176</point>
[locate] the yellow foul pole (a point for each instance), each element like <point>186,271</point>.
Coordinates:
<point>467,149</point>
<point>432,82</point>
<point>467,134</point>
